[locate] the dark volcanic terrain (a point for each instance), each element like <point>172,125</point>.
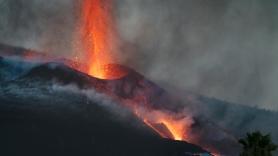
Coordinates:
<point>48,122</point>
<point>49,108</point>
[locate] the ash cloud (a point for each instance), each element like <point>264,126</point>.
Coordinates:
<point>38,24</point>
<point>222,49</point>
<point>218,48</point>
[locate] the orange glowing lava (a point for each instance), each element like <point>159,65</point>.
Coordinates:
<point>99,38</point>
<point>177,127</point>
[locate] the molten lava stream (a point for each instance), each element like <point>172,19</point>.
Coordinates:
<point>99,39</point>
<point>167,125</point>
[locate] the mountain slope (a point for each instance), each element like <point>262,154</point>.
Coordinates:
<point>216,124</point>
<point>51,109</point>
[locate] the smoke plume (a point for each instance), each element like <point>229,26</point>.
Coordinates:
<point>218,48</point>
<point>223,49</point>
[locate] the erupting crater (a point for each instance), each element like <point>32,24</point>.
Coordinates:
<point>111,72</point>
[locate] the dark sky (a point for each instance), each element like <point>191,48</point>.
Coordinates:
<point>220,48</point>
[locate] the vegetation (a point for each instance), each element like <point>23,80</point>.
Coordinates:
<point>256,144</point>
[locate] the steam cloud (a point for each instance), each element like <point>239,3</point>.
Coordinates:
<point>219,48</point>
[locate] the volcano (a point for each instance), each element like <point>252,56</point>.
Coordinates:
<point>50,108</point>
<point>163,113</point>
<point>48,105</point>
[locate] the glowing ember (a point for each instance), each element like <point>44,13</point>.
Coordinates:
<point>99,39</point>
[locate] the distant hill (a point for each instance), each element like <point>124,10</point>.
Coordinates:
<point>240,119</point>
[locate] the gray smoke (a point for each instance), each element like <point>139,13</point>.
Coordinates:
<point>219,48</point>
<point>38,24</point>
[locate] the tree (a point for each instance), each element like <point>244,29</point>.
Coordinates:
<point>256,144</point>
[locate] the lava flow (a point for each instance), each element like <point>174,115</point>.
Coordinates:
<point>99,39</point>
<point>165,124</point>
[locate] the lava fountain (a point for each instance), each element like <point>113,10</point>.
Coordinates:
<point>99,39</point>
